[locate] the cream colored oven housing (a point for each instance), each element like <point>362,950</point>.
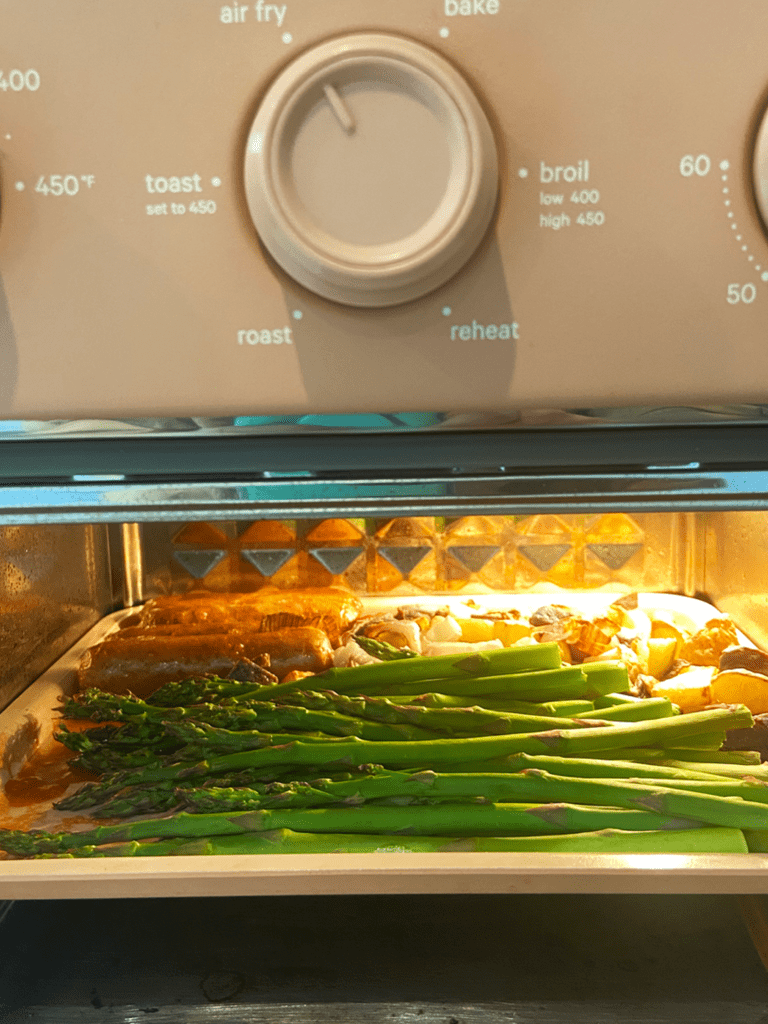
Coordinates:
<point>302,208</point>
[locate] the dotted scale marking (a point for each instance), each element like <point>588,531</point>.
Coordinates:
<point>724,168</point>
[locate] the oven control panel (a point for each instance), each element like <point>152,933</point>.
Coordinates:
<point>323,207</point>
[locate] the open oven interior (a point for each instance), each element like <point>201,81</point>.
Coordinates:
<point>59,580</point>
<point>97,523</point>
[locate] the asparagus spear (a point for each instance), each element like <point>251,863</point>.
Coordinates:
<point>470,721</point>
<point>572,681</point>
<point>609,700</point>
<point>118,740</point>
<point>412,673</point>
<point>600,673</point>
<point>384,651</point>
<point>752,790</point>
<point>585,768</point>
<point>120,790</point>
<point>440,752</point>
<point>162,796</point>
<point>649,755</point>
<point>324,716</point>
<point>722,770</point>
<point>194,741</point>
<point>497,702</point>
<point>204,691</point>
<point>440,819</point>
<point>454,749</point>
<point>403,787</point>
<point>636,711</point>
<point>444,700</point>
<point>757,840</point>
<point>567,681</point>
<point>101,759</point>
<point>696,760</point>
<point>92,794</point>
<point>504,661</point>
<point>282,841</point>
<point>152,798</point>
<point>708,744</point>
<point>703,741</point>
<point>558,708</point>
<point>532,785</point>
<point>155,798</point>
<point>743,757</point>
<point>99,706</point>
<point>699,801</point>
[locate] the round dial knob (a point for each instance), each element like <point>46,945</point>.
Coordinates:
<point>371,170</point>
<point>761,170</point>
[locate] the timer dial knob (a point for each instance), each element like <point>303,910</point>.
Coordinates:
<point>761,170</point>
<point>371,171</point>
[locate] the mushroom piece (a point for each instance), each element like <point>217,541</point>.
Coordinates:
<point>748,658</point>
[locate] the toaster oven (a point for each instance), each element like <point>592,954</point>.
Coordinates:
<point>232,234</point>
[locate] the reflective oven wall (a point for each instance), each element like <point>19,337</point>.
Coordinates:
<point>422,554</point>
<point>734,556</point>
<point>55,583</point>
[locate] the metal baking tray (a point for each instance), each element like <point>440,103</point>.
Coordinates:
<point>26,726</point>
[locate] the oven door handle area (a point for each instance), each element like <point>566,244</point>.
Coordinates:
<point>518,472</point>
<point>114,500</point>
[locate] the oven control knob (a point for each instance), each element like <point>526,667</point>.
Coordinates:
<point>761,170</point>
<point>371,170</point>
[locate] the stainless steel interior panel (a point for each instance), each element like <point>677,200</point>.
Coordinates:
<point>421,554</point>
<point>734,565</point>
<point>54,585</point>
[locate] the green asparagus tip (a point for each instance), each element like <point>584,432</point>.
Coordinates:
<point>27,844</point>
